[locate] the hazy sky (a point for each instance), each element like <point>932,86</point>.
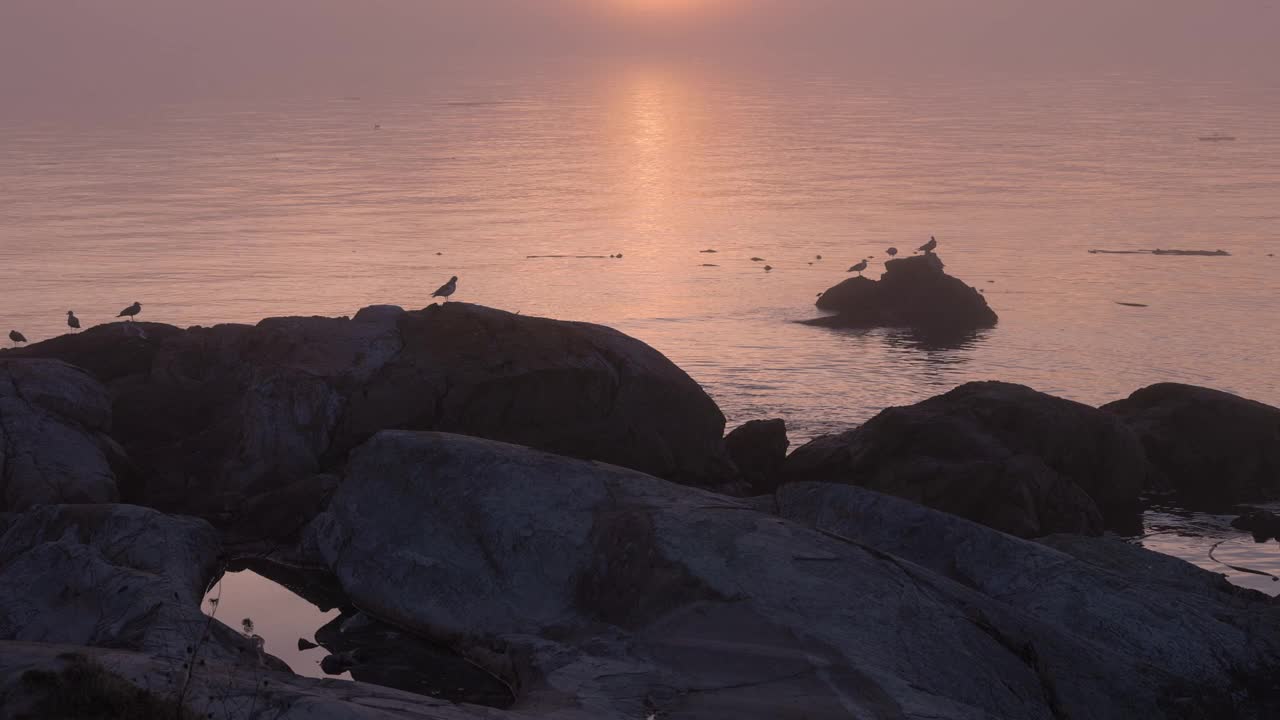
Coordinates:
<point>61,49</point>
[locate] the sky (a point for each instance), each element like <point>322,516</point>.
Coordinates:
<point>94,49</point>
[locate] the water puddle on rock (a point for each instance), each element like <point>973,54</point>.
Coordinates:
<point>304,620</point>
<point>1208,541</point>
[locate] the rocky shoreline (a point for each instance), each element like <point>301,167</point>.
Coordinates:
<point>551,514</point>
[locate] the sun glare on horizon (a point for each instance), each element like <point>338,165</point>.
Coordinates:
<point>666,9</point>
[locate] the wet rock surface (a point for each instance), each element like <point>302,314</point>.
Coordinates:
<point>375,652</point>
<point>1211,447</point>
<point>1003,455</point>
<point>914,292</point>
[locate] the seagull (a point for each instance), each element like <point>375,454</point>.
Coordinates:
<point>892,252</point>
<point>859,268</point>
<point>930,246</point>
<point>447,289</point>
<point>73,322</point>
<point>132,311</point>
<point>17,337</point>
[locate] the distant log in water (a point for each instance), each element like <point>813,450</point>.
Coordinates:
<point>574,257</point>
<point>1201,253</point>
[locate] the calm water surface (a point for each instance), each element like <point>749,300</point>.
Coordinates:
<point>225,211</point>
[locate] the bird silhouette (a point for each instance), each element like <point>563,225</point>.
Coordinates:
<point>132,311</point>
<point>930,246</point>
<point>447,289</point>
<point>73,322</point>
<point>17,337</point>
<point>859,268</point>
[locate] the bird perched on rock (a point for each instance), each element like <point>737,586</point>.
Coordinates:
<point>859,268</point>
<point>17,337</point>
<point>447,289</point>
<point>73,322</point>
<point>930,246</point>
<point>891,252</point>
<point>132,311</point>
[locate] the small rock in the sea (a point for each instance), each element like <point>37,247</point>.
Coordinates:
<point>819,257</point>
<point>305,644</point>
<point>709,265</point>
<point>708,251</point>
<point>767,268</point>
<point>757,259</point>
<point>619,256</point>
<point>1131,304</point>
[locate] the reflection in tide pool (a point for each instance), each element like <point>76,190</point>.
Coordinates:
<point>279,617</point>
<point>1208,541</point>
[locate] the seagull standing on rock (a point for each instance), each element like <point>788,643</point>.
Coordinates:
<point>73,322</point>
<point>131,312</point>
<point>930,246</point>
<point>17,337</point>
<point>859,268</point>
<point>447,289</point>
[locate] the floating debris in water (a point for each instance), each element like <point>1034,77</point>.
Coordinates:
<point>768,268</point>
<point>571,257</point>
<point>1158,251</point>
<point>709,251</point>
<point>757,259</point>
<point>1131,304</point>
<point>1217,138</point>
<point>709,265</point>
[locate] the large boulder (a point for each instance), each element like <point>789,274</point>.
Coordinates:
<point>759,449</point>
<point>54,420</point>
<point>1093,615</point>
<point>914,292</point>
<point>115,576</point>
<point>598,590</point>
<point>212,416</point>
<point>1210,446</point>
<point>1003,455</point>
<point>40,680</point>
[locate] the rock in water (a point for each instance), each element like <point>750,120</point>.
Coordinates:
<point>601,592</point>
<point>1213,447</point>
<point>215,415</point>
<point>1264,524</point>
<point>914,292</point>
<point>758,449</point>
<point>1003,455</point>
<point>54,420</point>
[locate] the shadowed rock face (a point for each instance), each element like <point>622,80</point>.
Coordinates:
<point>212,415</point>
<point>759,449</point>
<point>517,559</point>
<point>54,447</point>
<point>999,454</point>
<point>115,576</point>
<point>1212,447</point>
<point>914,292</point>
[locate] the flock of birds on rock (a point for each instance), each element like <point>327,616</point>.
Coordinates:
<point>73,322</point>
<point>448,289</point>
<point>926,248</point>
